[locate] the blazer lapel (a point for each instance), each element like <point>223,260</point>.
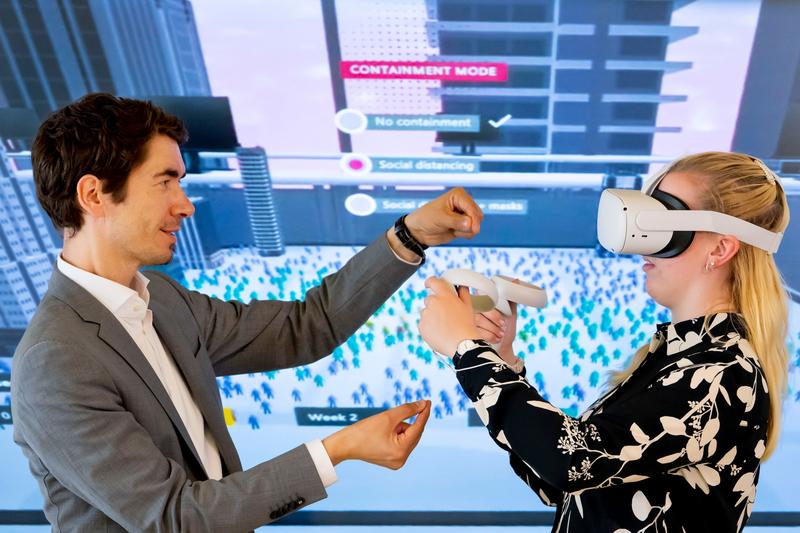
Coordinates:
<point>115,335</point>
<point>199,376</point>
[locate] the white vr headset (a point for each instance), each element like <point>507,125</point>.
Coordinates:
<point>496,292</point>
<point>655,223</point>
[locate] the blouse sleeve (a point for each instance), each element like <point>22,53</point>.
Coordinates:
<point>688,418</point>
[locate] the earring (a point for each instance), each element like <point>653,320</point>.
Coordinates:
<point>709,269</point>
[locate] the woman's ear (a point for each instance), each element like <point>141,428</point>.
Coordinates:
<point>726,248</point>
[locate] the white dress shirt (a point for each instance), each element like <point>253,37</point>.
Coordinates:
<point>130,307</point>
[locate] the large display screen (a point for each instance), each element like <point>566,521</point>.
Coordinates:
<point>315,124</point>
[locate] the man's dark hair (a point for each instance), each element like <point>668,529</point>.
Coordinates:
<point>102,135</point>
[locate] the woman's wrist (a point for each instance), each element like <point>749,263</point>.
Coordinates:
<point>466,335</point>
<point>508,355</point>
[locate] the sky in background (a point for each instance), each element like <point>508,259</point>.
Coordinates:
<point>269,57</point>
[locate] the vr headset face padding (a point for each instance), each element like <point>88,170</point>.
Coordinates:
<point>680,240</point>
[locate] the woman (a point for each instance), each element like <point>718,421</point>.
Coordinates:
<point>676,442</point>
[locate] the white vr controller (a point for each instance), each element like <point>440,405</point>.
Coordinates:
<point>497,292</point>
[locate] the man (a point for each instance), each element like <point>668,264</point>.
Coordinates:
<point>115,400</point>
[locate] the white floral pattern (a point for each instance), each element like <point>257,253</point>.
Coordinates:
<point>685,431</point>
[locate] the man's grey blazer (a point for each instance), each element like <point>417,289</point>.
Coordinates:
<point>101,435</point>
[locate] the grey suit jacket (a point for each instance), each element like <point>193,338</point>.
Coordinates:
<point>101,435</point>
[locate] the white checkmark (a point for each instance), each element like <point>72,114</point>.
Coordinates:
<point>500,122</point>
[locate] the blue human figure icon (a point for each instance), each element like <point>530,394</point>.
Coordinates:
<point>267,390</point>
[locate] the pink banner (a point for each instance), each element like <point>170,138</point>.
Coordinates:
<point>424,70</point>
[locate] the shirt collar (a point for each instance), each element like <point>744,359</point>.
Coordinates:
<point>117,298</point>
<point>681,336</point>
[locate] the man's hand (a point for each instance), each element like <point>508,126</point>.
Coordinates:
<point>453,214</point>
<point>383,439</point>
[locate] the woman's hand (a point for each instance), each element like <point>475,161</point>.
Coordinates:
<point>499,330</point>
<point>447,318</point>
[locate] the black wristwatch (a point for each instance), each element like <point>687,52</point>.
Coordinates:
<point>408,240</point>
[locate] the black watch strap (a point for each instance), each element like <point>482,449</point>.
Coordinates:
<point>408,240</point>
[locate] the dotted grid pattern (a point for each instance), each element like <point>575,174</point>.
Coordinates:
<point>391,30</point>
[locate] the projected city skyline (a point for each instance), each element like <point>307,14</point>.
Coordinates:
<point>315,124</point>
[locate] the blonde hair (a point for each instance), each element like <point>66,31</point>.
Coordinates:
<point>743,187</point>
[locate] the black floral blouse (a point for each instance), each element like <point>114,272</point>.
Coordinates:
<point>674,447</point>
